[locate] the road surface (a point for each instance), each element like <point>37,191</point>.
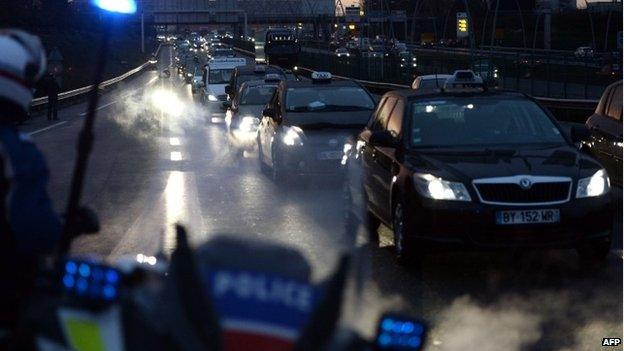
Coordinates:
<point>159,160</point>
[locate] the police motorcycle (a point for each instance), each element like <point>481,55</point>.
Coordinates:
<point>228,294</point>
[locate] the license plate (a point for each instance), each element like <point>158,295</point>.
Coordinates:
<point>330,155</point>
<point>527,216</point>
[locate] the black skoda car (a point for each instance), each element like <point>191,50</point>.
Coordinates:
<point>479,169</point>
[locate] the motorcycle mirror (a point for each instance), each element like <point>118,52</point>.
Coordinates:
<point>396,332</point>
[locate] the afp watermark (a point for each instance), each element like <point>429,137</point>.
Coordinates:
<point>611,341</point>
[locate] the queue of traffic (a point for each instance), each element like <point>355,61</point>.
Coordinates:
<point>448,163</point>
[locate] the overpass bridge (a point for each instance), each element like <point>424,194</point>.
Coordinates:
<point>185,12</point>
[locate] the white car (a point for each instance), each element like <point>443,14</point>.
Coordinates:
<point>430,81</point>
<point>218,72</point>
<point>342,52</point>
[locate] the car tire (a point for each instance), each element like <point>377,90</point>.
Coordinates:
<point>403,248</point>
<point>595,251</point>
<point>372,226</point>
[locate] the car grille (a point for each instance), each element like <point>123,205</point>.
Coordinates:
<point>222,97</point>
<point>509,193</point>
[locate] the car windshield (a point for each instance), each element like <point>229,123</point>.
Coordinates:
<point>256,95</point>
<point>328,98</point>
<point>219,76</point>
<point>477,121</point>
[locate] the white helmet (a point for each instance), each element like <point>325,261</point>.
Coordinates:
<point>22,64</point>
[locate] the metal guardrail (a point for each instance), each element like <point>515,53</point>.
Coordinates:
<point>576,105</point>
<point>105,84</point>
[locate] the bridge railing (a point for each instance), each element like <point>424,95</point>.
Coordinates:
<point>565,109</point>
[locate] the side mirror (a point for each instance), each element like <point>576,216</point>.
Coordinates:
<point>269,112</point>
<point>579,133</point>
<point>226,104</point>
<point>228,90</point>
<point>383,138</point>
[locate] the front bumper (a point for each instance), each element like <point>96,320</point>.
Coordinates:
<point>472,224</point>
<point>305,160</point>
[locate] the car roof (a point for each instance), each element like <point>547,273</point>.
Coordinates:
<point>246,69</point>
<point>255,83</point>
<point>415,94</point>
<point>435,76</point>
<point>309,84</point>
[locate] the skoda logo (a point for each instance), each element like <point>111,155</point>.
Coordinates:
<point>333,142</point>
<point>525,183</point>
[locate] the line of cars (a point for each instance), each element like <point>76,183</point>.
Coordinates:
<point>450,165</point>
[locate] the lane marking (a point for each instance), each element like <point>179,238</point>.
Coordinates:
<point>47,128</point>
<point>176,156</point>
<point>100,107</point>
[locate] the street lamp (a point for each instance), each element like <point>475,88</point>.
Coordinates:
<point>85,139</point>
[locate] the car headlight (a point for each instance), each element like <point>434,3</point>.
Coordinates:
<point>596,185</point>
<point>189,75</point>
<point>292,136</point>
<point>248,124</point>
<point>212,97</point>
<point>439,189</point>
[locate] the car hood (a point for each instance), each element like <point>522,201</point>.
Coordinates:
<point>250,110</point>
<point>468,164</point>
<point>216,89</point>
<point>352,120</point>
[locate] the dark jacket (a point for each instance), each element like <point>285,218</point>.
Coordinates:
<point>35,226</point>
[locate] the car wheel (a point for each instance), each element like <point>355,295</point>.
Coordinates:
<point>372,226</point>
<point>595,251</point>
<point>402,247</point>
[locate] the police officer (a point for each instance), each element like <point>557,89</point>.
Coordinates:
<point>28,224</point>
<point>52,90</point>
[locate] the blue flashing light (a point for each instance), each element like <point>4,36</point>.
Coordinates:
<point>118,6</point>
<point>68,281</point>
<point>414,342</point>
<point>112,276</point>
<point>109,292</point>
<point>71,267</point>
<point>82,285</point>
<point>84,270</point>
<point>387,324</point>
<point>407,328</point>
<point>384,339</point>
